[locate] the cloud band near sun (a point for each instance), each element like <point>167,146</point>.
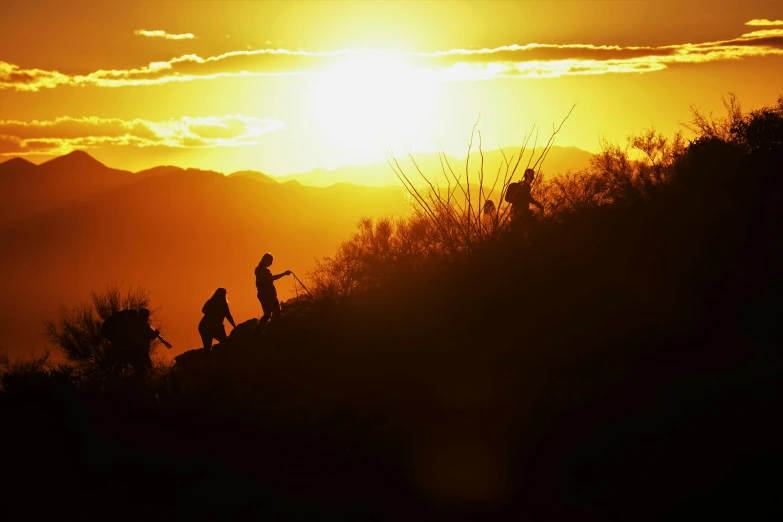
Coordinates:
<point>163,34</point>
<point>64,134</point>
<point>764,22</point>
<point>511,61</point>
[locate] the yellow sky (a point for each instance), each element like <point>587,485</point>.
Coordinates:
<point>289,87</point>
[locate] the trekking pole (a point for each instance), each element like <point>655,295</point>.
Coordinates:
<point>301,284</point>
<point>164,341</point>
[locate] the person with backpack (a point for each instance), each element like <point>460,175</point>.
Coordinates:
<point>211,325</point>
<point>265,285</point>
<point>518,194</point>
<point>130,335</point>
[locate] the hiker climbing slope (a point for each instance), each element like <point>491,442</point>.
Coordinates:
<point>211,325</point>
<point>130,334</point>
<point>518,194</point>
<point>265,285</point>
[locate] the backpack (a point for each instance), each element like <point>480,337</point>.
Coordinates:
<point>212,307</point>
<point>512,192</point>
<point>120,325</point>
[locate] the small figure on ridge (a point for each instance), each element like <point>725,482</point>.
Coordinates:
<point>130,334</point>
<point>265,284</point>
<point>211,325</point>
<point>518,194</point>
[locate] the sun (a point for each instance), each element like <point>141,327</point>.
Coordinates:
<point>372,99</point>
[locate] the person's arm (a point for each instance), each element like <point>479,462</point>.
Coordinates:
<point>153,333</point>
<point>535,202</point>
<point>230,319</point>
<point>278,276</point>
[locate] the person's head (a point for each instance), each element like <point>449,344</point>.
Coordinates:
<point>266,260</point>
<point>529,175</point>
<point>220,293</point>
<point>144,314</point>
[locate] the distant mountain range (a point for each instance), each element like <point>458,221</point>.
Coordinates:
<point>28,189</point>
<point>72,225</point>
<point>559,160</point>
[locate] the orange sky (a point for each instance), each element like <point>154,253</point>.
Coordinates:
<point>288,87</point>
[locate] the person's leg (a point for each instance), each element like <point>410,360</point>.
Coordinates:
<point>264,319</point>
<point>528,226</point>
<point>206,341</point>
<point>121,361</point>
<point>146,359</point>
<point>220,335</point>
<point>140,360</point>
<point>274,309</point>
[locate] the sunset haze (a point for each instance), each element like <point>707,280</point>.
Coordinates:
<point>286,87</point>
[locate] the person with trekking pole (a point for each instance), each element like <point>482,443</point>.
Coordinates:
<point>130,334</point>
<point>267,293</point>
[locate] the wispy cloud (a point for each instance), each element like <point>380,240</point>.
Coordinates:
<point>64,134</point>
<point>512,61</point>
<point>764,22</point>
<point>163,34</point>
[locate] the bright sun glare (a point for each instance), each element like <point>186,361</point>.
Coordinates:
<point>374,99</point>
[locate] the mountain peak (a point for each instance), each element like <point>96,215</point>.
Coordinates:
<point>18,162</point>
<point>17,166</point>
<point>76,159</point>
<point>254,174</point>
<point>160,170</point>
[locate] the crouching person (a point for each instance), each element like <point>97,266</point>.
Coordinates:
<point>131,335</point>
<point>211,325</point>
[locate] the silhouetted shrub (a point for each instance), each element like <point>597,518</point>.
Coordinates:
<point>30,376</point>
<point>77,332</point>
<point>450,223</point>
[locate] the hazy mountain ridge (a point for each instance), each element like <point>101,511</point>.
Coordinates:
<point>29,189</point>
<point>72,225</point>
<point>180,233</point>
<point>559,160</point>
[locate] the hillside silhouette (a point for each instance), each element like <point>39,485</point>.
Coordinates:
<point>619,360</point>
<point>73,224</point>
<point>181,232</point>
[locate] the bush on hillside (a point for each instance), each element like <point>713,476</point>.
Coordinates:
<point>77,332</point>
<point>33,375</point>
<point>449,224</point>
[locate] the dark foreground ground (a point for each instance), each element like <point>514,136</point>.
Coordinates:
<point>623,364</point>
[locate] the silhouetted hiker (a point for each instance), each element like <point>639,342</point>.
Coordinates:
<point>518,194</point>
<point>489,213</point>
<point>211,325</point>
<point>265,284</point>
<point>130,333</point>
<point>489,207</point>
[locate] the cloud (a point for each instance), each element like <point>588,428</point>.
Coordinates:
<point>163,34</point>
<point>532,60</point>
<point>64,134</point>
<point>763,21</point>
<point>12,76</point>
